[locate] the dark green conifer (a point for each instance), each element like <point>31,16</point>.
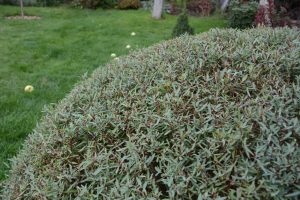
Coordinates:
<point>182,25</point>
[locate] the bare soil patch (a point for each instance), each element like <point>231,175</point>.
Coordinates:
<point>24,17</point>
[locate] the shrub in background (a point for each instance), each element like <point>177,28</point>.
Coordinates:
<point>91,4</point>
<point>215,116</point>
<point>216,5</point>
<point>279,13</point>
<point>199,7</point>
<point>182,26</point>
<point>50,2</point>
<point>129,4</point>
<point>94,4</point>
<point>108,4</point>
<point>193,7</point>
<point>292,8</point>
<point>242,15</point>
<point>32,2</point>
<point>10,2</point>
<point>7,2</point>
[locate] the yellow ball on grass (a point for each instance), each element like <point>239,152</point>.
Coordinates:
<point>28,88</point>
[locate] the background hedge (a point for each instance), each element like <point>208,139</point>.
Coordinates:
<point>242,15</point>
<point>204,117</point>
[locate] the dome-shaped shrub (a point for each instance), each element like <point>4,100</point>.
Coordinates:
<point>214,115</point>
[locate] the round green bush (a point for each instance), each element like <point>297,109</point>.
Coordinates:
<point>212,116</point>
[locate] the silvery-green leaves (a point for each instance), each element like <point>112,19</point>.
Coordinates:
<point>215,116</point>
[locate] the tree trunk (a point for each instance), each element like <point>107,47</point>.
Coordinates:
<point>263,2</point>
<point>266,11</point>
<point>22,11</point>
<point>224,4</point>
<point>157,9</point>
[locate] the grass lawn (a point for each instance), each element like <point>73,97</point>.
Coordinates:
<point>52,53</point>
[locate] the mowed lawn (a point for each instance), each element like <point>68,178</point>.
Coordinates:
<point>54,52</point>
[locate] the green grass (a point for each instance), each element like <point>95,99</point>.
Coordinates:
<point>52,53</point>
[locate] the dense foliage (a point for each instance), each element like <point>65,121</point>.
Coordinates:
<point>280,13</point>
<point>242,15</point>
<point>51,2</point>
<point>109,4</point>
<point>200,7</point>
<point>94,4</point>
<point>182,26</point>
<point>204,117</point>
<point>91,4</point>
<point>288,9</point>
<point>193,7</point>
<point>36,3</point>
<point>129,4</point>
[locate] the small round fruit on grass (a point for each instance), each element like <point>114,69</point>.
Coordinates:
<point>28,88</point>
